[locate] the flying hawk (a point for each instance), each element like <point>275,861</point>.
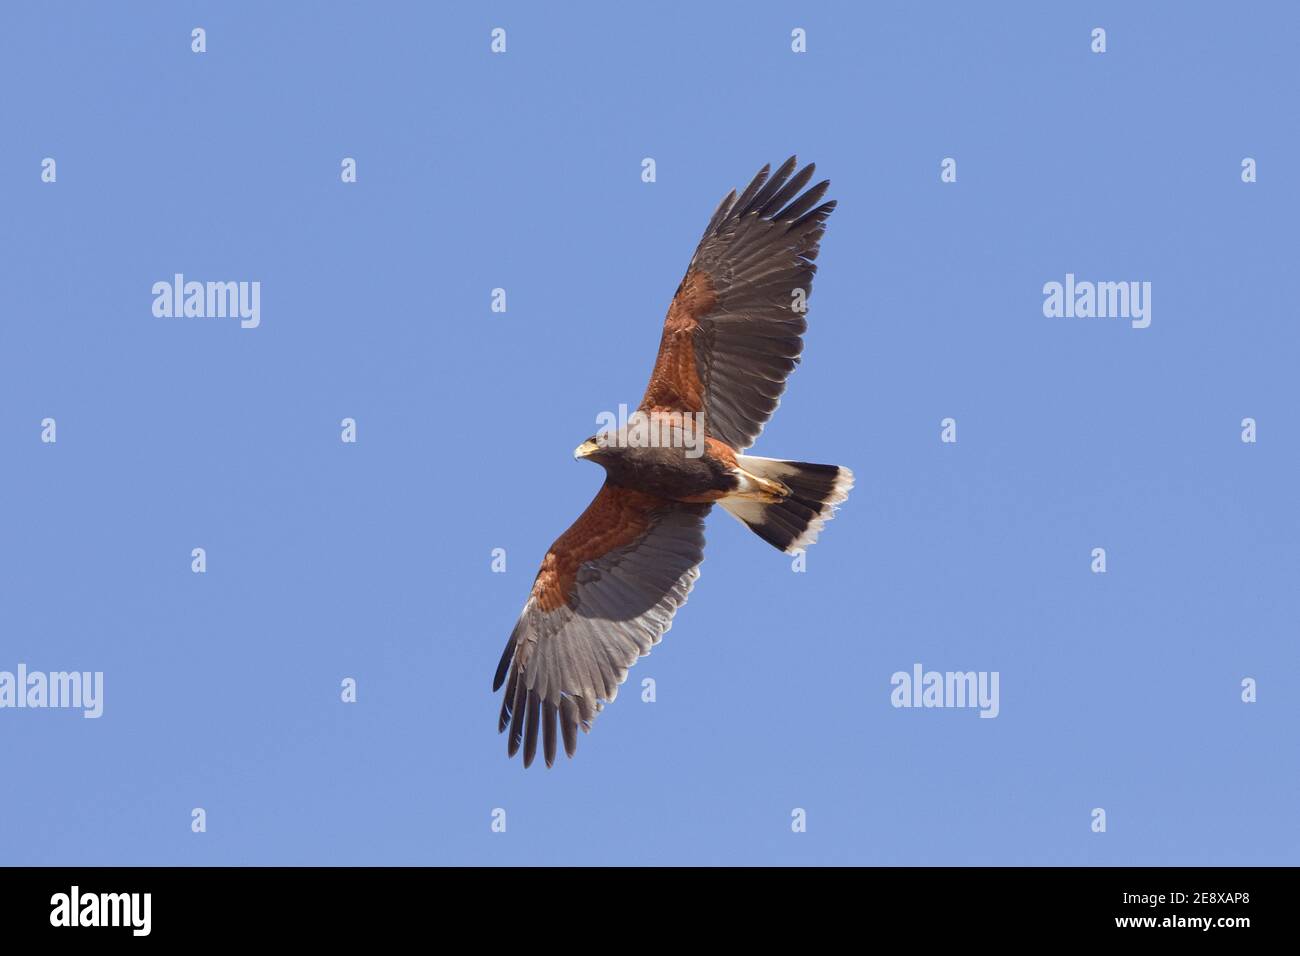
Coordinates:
<point>609,586</point>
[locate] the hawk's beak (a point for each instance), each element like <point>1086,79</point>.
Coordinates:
<point>586,449</point>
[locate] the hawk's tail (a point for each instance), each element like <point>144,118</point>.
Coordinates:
<point>786,502</point>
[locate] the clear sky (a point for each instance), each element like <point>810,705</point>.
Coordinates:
<point>372,560</point>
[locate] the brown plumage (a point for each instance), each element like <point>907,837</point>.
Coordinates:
<point>609,586</point>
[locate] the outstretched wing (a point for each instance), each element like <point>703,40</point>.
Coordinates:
<point>734,329</point>
<point>606,593</point>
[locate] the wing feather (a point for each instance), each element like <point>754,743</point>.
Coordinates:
<point>734,331</point>
<point>605,595</point>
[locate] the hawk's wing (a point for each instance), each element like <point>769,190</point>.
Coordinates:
<point>606,593</point>
<point>734,328</point>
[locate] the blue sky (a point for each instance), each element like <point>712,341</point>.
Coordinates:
<point>521,171</point>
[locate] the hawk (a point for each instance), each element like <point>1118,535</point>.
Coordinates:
<point>609,586</point>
